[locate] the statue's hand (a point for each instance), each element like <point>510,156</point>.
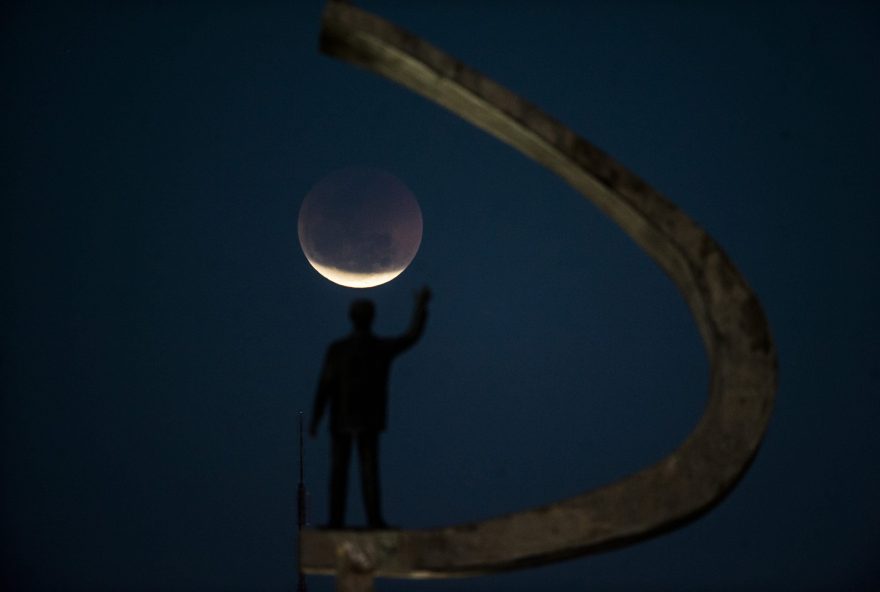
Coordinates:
<point>423,296</point>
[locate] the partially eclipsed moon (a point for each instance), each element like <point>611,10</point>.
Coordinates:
<point>360,227</point>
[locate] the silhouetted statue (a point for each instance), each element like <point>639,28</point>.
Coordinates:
<point>354,381</point>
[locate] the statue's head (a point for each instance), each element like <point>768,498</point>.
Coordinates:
<point>361,313</point>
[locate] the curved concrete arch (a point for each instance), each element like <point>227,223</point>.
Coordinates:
<point>734,331</point>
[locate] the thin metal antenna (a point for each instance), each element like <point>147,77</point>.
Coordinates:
<point>301,506</point>
<point>301,448</point>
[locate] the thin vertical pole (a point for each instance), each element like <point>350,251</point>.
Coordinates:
<point>301,507</point>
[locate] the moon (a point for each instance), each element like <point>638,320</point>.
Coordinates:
<point>360,227</point>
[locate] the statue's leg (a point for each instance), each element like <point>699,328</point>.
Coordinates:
<point>368,449</point>
<point>341,455</point>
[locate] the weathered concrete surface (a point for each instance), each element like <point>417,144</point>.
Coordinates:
<point>741,354</point>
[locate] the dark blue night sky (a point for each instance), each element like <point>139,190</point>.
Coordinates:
<point>161,328</point>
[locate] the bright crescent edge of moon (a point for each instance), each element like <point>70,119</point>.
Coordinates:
<point>354,280</point>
